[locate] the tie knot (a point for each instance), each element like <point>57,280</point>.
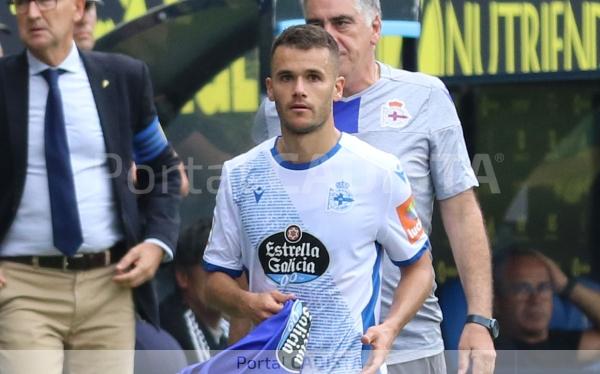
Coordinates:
<point>51,75</point>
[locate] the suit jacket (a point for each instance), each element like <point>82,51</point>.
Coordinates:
<point>123,94</point>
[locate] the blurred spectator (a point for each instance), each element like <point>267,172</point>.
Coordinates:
<point>84,28</point>
<point>525,281</point>
<point>185,313</point>
<point>85,40</point>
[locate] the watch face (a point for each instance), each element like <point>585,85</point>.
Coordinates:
<point>495,328</point>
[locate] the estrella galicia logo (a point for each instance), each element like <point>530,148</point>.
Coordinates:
<point>291,348</point>
<point>340,197</point>
<point>293,256</point>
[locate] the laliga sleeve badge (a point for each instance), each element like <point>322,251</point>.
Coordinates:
<point>394,114</point>
<point>291,349</point>
<point>410,221</point>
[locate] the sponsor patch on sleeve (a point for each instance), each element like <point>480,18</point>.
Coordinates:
<point>410,221</point>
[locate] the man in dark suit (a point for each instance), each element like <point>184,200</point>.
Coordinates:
<point>76,236</point>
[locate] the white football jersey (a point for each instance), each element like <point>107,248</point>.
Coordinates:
<point>317,230</point>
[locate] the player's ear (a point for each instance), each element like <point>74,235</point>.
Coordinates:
<point>338,88</point>
<point>375,29</point>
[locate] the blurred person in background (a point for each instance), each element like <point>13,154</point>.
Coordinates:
<point>525,281</point>
<point>85,40</point>
<point>84,28</point>
<point>185,313</point>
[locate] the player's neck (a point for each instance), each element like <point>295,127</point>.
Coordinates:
<point>362,79</point>
<point>304,148</point>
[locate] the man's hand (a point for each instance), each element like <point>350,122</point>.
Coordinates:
<point>557,276</point>
<point>476,350</point>
<point>260,306</point>
<point>380,338</point>
<point>139,264</point>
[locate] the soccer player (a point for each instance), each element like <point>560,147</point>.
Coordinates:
<point>307,215</point>
<point>411,116</point>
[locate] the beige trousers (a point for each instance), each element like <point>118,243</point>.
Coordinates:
<point>50,320</point>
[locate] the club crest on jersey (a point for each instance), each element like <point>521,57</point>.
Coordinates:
<point>291,348</point>
<point>394,114</point>
<point>340,198</point>
<point>410,220</point>
<point>293,256</point>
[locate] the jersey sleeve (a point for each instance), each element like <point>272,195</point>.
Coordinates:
<point>401,233</point>
<point>224,252</point>
<point>451,169</point>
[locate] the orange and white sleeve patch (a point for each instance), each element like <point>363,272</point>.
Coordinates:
<point>410,220</point>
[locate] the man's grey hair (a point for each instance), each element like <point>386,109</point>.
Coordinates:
<point>368,8</point>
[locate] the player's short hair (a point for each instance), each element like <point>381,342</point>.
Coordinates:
<point>368,8</point>
<point>305,37</point>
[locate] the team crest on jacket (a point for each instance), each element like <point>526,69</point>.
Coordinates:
<point>340,198</point>
<point>293,256</point>
<point>394,114</point>
<point>291,348</point>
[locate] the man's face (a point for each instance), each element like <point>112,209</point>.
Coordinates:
<point>84,29</point>
<point>303,85</point>
<point>526,300</point>
<point>356,39</point>
<point>44,32</point>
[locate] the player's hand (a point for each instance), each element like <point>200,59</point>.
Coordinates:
<point>380,338</point>
<point>260,306</point>
<point>2,280</point>
<point>139,264</point>
<point>476,350</point>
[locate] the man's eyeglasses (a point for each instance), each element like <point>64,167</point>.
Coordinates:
<point>524,290</point>
<point>21,6</point>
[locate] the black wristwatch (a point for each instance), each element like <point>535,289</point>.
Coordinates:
<point>489,323</point>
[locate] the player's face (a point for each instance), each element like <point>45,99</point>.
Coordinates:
<point>526,301</point>
<point>303,85</point>
<point>47,31</point>
<point>355,36</point>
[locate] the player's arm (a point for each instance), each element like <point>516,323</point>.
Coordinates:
<point>465,229</point>
<point>227,296</point>
<point>411,292</point>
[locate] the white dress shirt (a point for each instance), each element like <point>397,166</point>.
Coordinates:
<point>31,231</point>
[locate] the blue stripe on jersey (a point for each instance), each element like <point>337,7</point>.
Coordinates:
<point>149,143</point>
<point>368,314</point>
<point>414,258</point>
<point>304,165</point>
<point>345,115</point>
<point>211,268</point>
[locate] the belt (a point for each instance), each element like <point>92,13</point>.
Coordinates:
<point>80,261</point>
